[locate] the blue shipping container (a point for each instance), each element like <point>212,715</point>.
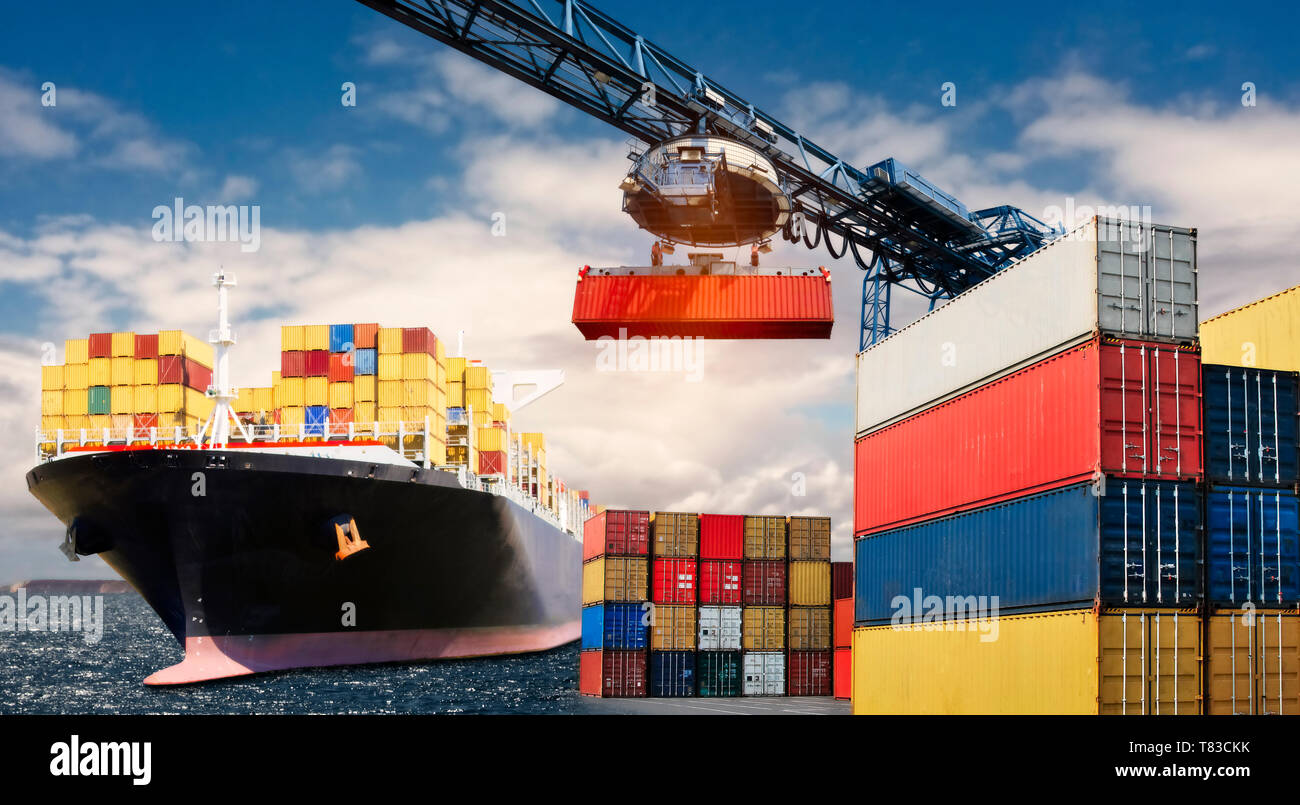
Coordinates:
<point>1253,546</point>
<point>1127,542</point>
<point>1250,426</point>
<point>318,416</point>
<point>613,626</point>
<point>364,362</point>
<point>672,673</point>
<point>341,338</point>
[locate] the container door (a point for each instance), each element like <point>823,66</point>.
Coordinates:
<point>1150,663</point>
<point>1175,410</point>
<point>1175,640</point>
<point>710,627</point>
<point>1150,529</point>
<point>1278,638</point>
<point>1229,667</point>
<point>1171,276</point>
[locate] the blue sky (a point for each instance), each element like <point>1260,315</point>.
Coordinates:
<point>380,212</point>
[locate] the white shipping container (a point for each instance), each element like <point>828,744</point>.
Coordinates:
<point>1120,278</point>
<point>764,673</point>
<point>720,628</point>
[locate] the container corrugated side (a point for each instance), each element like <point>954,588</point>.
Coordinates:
<point>808,673</point>
<point>764,628</point>
<point>672,673</point>
<point>612,673</point>
<point>809,538</point>
<point>614,579</point>
<point>1135,545</point>
<point>1252,663</point>
<point>842,673</point>
<point>722,536</point>
<point>764,673</point>
<point>810,584</point>
<point>614,626</point>
<point>719,628</point>
<point>765,537</point>
<point>809,628</point>
<point>1252,540</point>
<point>1251,426</point>
<point>673,628</point>
<point>1069,290</point>
<point>717,673</point>
<point>1263,334</point>
<point>1073,662</point>
<point>1123,407</point>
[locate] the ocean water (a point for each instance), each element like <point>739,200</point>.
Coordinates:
<point>60,673</point>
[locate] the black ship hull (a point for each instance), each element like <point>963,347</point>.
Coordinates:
<point>237,552</point>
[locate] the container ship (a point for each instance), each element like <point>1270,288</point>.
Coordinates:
<point>371,505</point>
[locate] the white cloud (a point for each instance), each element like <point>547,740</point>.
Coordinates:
<point>237,188</point>
<point>328,170</point>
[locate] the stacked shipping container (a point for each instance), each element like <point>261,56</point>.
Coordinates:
<point>808,669</point>
<point>139,386</point>
<point>1048,464</point>
<point>842,629</point>
<point>615,615</point>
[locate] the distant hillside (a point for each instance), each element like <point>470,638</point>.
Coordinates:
<point>71,586</point>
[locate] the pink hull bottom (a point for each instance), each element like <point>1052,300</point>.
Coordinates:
<point>219,657</point>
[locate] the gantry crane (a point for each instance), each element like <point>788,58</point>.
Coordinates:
<point>902,230</point>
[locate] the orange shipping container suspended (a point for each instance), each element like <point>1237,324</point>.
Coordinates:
<point>735,306</point>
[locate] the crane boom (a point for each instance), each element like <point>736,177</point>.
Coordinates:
<point>918,237</point>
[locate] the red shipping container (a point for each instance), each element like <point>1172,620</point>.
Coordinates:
<point>808,673</point>
<point>615,532</point>
<point>340,416</point>
<point>763,582</point>
<point>146,346</point>
<point>419,339</point>
<point>491,462</point>
<point>722,536</point>
<point>171,369</point>
<point>708,306</point>
<point>612,674</point>
<point>841,580</point>
<point>365,336</point>
<point>340,367</point>
<point>185,371</point>
<point>719,582</point>
<point>144,421</point>
<point>316,363</point>
<point>674,581</point>
<point>843,623</point>
<point>843,673</point>
<point>197,376</point>
<point>100,345</point>
<point>1125,408</point>
<point>292,363</point>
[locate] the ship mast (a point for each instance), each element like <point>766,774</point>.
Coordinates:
<point>217,428</point>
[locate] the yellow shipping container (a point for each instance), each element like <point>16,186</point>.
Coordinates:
<point>171,398</point>
<point>419,392</point>
<point>389,367</point>
<point>483,419</point>
<point>76,402</point>
<point>391,393</point>
<point>293,393</point>
<point>672,533</point>
<point>122,371</point>
<point>100,421</point>
<point>614,578</point>
<point>491,439</point>
<point>478,377</point>
<point>810,584</point>
<point>52,378</point>
<point>416,414</point>
<point>122,399</point>
<point>440,352</point>
<point>673,628</point>
<point>76,376</point>
<point>437,450</point>
<point>198,404</point>
<point>809,538</point>
<point>341,395</point>
<point>293,414</point>
<point>316,336</point>
<point>363,388</point>
<point>364,412</point>
<point>390,341</point>
<point>101,371</point>
<point>478,399</point>
<point>809,628</point>
<point>145,372</point>
<point>316,391</point>
<point>500,413</point>
<point>76,422</point>
<point>243,399</point>
<point>764,537</point>
<point>455,369</point>
<point>537,441</point>
<point>763,628</point>
<point>76,350</point>
<point>146,399</point>
<point>1261,335</point>
<point>291,339</point>
<point>123,345</point>
<point>1252,663</point>
<point>442,371</point>
<point>419,366</point>
<point>455,395</point>
<point>390,414</point>
<point>179,342</point>
<point>1072,662</point>
<point>263,399</point>
<point>51,403</point>
<point>53,423</point>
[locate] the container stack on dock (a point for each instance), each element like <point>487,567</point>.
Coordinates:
<point>808,665</point>
<point>764,584</point>
<point>718,590</point>
<point>615,615</point>
<point>1028,509</point>
<point>142,386</point>
<point>842,629</point>
<point>1252,637</point>
<point>675,550</point>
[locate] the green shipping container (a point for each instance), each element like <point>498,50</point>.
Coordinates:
<point>718,673</point>
<point>99,401</point>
